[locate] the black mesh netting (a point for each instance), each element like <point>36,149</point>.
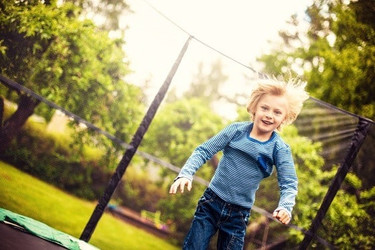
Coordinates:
<point>326,135</point>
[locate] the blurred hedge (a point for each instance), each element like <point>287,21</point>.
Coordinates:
<point>51,157</point>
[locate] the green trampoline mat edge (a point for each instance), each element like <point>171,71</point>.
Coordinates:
<point>44,231</point>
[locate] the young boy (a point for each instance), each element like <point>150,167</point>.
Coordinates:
<point>250,150</point>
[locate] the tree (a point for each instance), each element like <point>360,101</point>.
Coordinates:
<point>335,56</point>
<point>48,49</point>
<point>338,57</point>
<point>179,128</point>
<point>107,11</point>
<point>207,86</point>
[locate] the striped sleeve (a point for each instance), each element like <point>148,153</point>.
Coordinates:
<point>207,150</point>
<point>287,179</point>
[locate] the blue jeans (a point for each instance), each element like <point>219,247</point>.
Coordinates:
<point>212,215</point>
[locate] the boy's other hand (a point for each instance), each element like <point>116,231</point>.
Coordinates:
<point>180,183</point>
<point>282,216</point>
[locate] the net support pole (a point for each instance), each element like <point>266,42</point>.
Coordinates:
<point>129,153</point>
<point>356,143</point>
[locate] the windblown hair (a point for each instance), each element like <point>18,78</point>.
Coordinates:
<point>293,90</point>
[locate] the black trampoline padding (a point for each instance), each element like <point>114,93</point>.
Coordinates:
<point>12,238</point>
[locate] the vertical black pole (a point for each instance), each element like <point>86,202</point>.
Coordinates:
<point>129,153</point>
<point>357,141</point>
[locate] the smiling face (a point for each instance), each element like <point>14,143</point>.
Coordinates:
<point>269,113</point>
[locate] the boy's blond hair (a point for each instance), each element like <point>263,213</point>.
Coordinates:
<point>293,90</point>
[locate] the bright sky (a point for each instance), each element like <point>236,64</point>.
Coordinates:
<point>240,29</point>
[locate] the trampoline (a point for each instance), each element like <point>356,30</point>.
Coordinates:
<point>21,232</point>
<point>341,134</point>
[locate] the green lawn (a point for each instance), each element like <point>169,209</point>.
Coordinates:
<point>26,195</point>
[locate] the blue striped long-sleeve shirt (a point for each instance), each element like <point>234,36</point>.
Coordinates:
<point>244,164</point>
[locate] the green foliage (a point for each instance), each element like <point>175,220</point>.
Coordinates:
<point>179,127</point>
<point>49,157</point>
<point>139,191</point>
<point>347,224</point>
<point>69,61</point>
<point>107,11</point>
<point>337,64</point>
<point>364,164</point>
<point>206,87</point>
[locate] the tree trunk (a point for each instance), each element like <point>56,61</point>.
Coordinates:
<point>13,125</point>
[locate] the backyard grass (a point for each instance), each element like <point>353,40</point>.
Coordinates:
<point>26,195</point>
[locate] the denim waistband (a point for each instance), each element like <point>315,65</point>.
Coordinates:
<point>215,197</point>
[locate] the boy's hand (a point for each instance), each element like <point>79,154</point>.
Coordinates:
<point>282,216</point>
<point>180,183</point>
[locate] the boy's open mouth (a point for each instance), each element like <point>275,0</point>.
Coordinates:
<point>267,122</point>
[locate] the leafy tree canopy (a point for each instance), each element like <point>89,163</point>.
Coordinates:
<point>49,49</point>
<point>335,55</point>
<point>106,12</point>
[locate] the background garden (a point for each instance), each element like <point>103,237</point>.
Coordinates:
<point>52,49</point>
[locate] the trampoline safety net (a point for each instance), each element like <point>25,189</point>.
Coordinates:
<point>334,150</point>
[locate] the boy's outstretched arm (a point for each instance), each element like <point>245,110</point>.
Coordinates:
<point>180,183</point>
<point>282,216</point>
